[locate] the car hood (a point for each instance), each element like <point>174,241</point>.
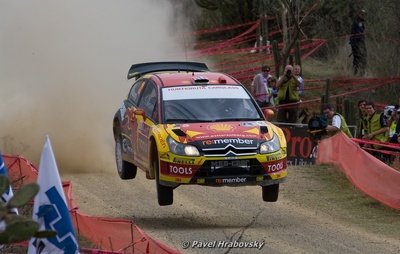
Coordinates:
<point>228,132</point>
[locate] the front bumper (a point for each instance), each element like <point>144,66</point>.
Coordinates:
<point>242,180</point>
<point>259,170</point>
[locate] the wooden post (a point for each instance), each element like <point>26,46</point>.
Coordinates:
<point>277,58</point>
<point>322,103</point>
<point>291,60</point>
<point>297,56</point>
<point>339,105</point>
<point>349,114</point>
<point>258,39</point>
<point>327,90</point>
<point>352,113</point>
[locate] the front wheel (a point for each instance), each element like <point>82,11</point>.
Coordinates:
<point>270,193</point>
<point>165,194</point>
<point>125,169</point>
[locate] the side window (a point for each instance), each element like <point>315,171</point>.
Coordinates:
<point>135,92</point>
<point>148,101</point>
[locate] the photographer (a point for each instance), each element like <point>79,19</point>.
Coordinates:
<point>336,121</point>
<point>394,124</point>
<point>288,93</point>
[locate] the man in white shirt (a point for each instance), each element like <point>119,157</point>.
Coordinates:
<point>336,121</point>
<point>259,87</point>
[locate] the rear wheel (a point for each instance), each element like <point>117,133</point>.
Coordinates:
<point>125,169</point>
<point>165,194</point>
<point>270,193</point>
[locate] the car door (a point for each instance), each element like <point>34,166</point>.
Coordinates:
<point>146,117</point>
<point>129,122</point>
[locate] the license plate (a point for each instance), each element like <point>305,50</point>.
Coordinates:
<point>234,164</point>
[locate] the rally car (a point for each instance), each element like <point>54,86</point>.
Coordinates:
<point>183,124</point>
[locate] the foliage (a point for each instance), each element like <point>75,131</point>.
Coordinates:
<point>19,228</point>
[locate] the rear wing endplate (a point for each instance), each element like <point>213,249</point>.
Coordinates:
<point>138,70</point>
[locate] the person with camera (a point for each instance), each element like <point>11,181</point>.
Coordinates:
<point>394,124</point>
<point>336,121</point>
<point>288,96</point>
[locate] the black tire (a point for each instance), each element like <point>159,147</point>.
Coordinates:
<point>270,193</point>
<point>125,169</point>
<point>165,194</point>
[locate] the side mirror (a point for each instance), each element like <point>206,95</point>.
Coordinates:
<point>140,112</point>
<point>268,113</point>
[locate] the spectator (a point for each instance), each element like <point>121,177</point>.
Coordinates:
<point>297,74</point>
<point>377,126</point>
<point>357,42</point>
<point>259,86</point>
<point>394,125</point>
<point>362,119</point>
<point>288,93</point>
<point>272,91</point>
<point>336,121</point>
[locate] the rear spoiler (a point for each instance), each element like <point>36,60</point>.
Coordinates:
<point>138,70</point>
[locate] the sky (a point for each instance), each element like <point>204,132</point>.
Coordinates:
<point>63,67</point>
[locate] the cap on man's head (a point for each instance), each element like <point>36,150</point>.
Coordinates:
<point>362,11</point>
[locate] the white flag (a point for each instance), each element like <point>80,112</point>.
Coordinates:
<point>50,210</point>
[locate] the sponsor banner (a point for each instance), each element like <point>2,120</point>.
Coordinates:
<point>301,149</point>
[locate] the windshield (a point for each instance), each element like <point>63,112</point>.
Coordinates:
<point>208,103</point>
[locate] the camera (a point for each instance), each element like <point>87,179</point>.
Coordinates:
<point>289,73</point>
<point>317,127</point>
<point>388,110</point>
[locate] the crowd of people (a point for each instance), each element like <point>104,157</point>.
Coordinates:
<point>378,126</point>
<point>284,95</point>
<point>286,91</point>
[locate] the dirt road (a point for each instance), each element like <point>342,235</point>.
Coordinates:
<point>208,214</point>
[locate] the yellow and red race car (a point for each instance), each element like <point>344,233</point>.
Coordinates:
<point>182,124</point>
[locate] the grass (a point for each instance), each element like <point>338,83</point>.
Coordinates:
<point>326,189</point>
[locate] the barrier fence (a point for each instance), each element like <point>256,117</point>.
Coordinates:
<point>109,234</point>
<point>367,173</point>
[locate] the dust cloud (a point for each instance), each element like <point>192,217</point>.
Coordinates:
<point>63,67</point>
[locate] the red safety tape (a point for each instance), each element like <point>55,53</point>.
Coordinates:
<point>373,142</point>
<point>224,28</point>
<point>237,73</point>
<point>382,151</point>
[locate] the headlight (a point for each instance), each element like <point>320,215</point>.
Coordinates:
<point>270,146</point>
<point>182,149</point>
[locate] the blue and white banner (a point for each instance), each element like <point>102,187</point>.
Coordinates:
<point>50,210</point>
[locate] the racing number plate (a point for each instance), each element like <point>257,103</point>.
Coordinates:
<point>232,163</point>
